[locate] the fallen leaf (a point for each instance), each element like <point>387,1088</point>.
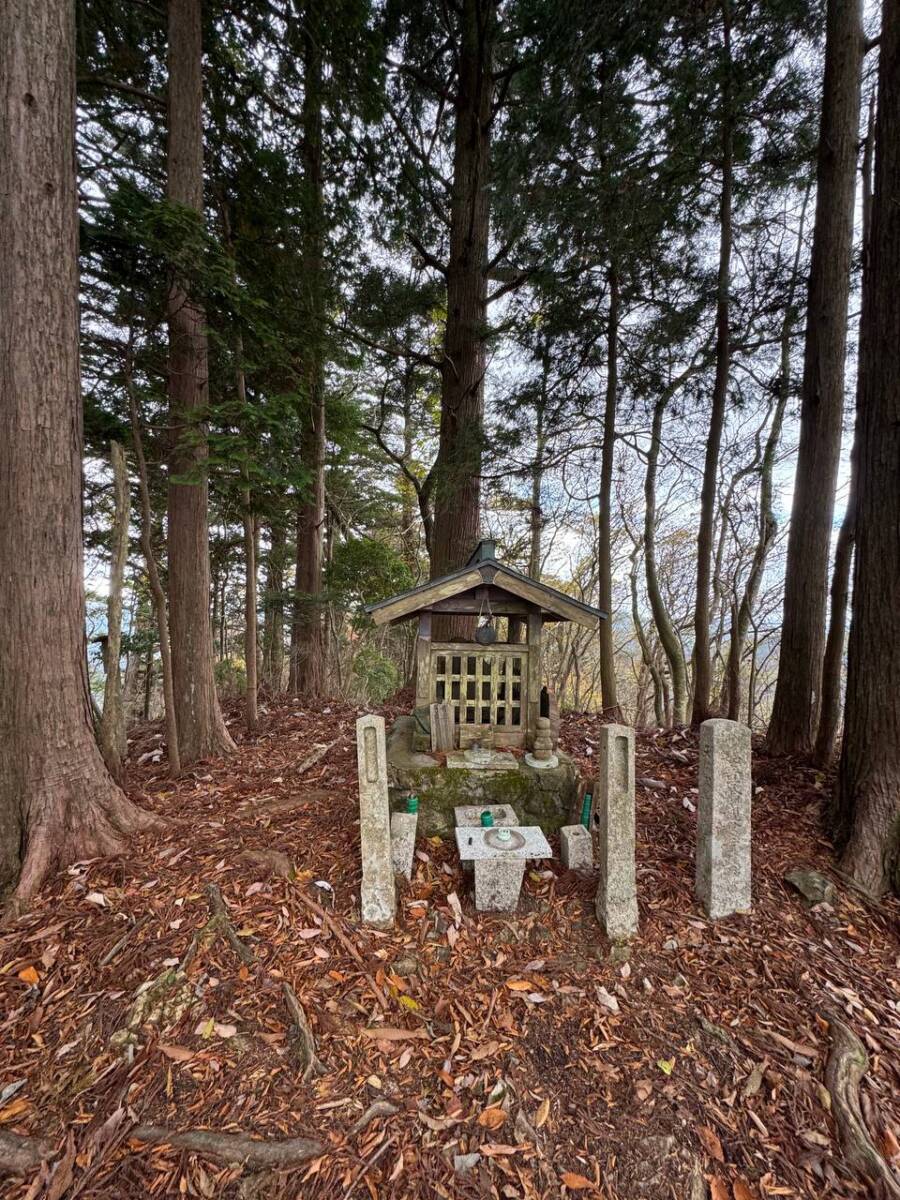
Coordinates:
<point>543,1112</point>
<point>14,1110</point>
<point>492,1118</point>
<point>643,1089</point>
<point>742,1190</point>
<point>519,985</point>
<point>666,1065</point>
<point>711,1143</point>
<point>890,1145</point>
<point>578,1183</point>
<point>485,1050</point>
<point>718,1188</point>
<point>177,1053</point>
<point>30,976</point>
<point>97,898</point>
<point>498,1149</point>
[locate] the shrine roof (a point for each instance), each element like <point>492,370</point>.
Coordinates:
<point>481,570</point>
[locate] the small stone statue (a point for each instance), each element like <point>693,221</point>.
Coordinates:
<point>543,740</point>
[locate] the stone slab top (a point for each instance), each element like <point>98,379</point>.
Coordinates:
<point>470,814</point>
<point>474,842</point>
<point>500,760</point>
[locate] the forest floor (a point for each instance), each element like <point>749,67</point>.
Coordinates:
<point>511,1037</point>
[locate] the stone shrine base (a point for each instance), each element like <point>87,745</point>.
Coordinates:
<point>548,798</point>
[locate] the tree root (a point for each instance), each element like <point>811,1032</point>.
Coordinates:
<point>380,1108</point>
<point>304,1042</point>
<point>847,1063</point>
<point>19,1154</point>
<point>347,944</point>
<point>233,1147</point>
<point>220,914</point>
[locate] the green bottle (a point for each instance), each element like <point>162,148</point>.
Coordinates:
<point>586,810</point>
<point>412,804</point>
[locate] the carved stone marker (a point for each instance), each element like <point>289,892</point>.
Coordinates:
<point>443,731</point>
<point>378,896</point>
<point>499,856</point>
<point>576,847</point>
<point>613,822</point>
<point>403,843</point>
<point>723,818</point>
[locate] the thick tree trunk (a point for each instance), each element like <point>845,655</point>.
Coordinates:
<point>609,694</point>
<point>832,663</point>
<point>457,485</point>
<point>201,729</point>
<point>58,802</point>
<point>868,802</point>
<point>668,635</point>
<point>307,676</point>
<point>795,708</point>
<point>111,732</point>
<point>706,533</point>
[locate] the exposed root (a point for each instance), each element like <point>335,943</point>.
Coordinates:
<point>381,1108</point>
<point>847,1063</point>
<point>347,944</point>
<point>220,914</point>
<point>233,1147</point>
<point>75,822</point>
<point>304,1042</point>
<point>19,1154</point>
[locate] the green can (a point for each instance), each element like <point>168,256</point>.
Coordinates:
<point>487,819</point>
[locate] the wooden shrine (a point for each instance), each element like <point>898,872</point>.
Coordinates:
<point>494,687</point>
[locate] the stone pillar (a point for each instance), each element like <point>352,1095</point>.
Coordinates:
<point>378,896</point>
<point>723,818</point>
<point>403,843</point>
<point>613,821</point>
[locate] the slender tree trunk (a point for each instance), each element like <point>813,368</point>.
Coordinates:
<point>112,724</point>
<point>457,487</point>
<point>868,800</point>
<point>659,704</point>
<point>251,632</point>
<point>157,593</point>
<point>830,708</point>
<point>705,537</point>
<point>273,608</point>
<point>667,634</point>
<point>201,729</point>
<point>307,630</point>
<point>795,708</point>
<point>537,481</point>
<point>148,682</point>
<point>607,463</point>
<point>58,802</point>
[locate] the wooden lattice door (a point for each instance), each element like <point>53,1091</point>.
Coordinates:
<point>487,689</point>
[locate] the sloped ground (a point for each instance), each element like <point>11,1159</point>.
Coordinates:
<point>513,1037</point>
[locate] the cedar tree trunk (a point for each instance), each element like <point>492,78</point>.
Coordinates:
<point>868,802</point>
<point>201,729</point>
<point>307,630</point>
<point>702,666</point>
<point>795,708</point>
<point>58,802</point>
<point>457,486</point>
<point>111,732</point>
<point>608,692</point>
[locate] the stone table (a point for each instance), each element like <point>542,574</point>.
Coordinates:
<point>500,865</point>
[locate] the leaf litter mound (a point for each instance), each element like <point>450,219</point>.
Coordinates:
<point>214,987</point>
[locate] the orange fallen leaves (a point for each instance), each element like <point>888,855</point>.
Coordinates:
<point>578,1183</point>
<point>492,1118</point>
<point>711,1143</point>
<point>30,976</point>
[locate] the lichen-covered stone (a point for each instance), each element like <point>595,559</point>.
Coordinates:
<point>548,798</point>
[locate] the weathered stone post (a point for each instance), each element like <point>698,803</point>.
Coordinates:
<point>613,822</point>
<point>723,818</point>
<point>378,896</point>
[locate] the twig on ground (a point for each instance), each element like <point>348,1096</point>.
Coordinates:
<point>316,756</point>
<point>123,941</point>
<point>368,1165</point>
<point>346,943</point>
